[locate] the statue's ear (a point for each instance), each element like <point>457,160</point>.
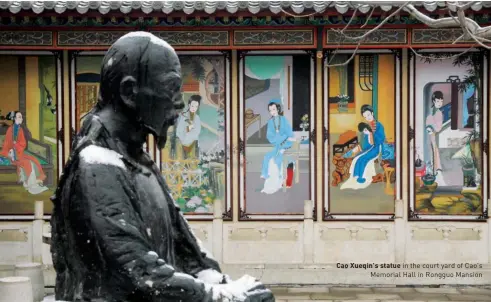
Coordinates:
<point>128,90</point>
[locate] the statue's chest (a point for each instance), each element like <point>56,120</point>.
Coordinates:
<point>149,190</point>
<point>155,213</point>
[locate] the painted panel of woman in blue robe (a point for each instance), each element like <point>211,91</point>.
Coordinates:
<point>362,168</point>
<point>280,135</point>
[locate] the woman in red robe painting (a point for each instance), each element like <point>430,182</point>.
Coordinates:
<point>29,169</point>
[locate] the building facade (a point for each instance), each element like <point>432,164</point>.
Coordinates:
<point>307,146</point>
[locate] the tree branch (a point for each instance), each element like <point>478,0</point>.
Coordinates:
<point>471,25</point>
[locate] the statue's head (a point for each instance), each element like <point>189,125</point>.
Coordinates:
<point>141,76</point>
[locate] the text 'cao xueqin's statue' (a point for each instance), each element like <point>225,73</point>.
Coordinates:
<point>116,233</point>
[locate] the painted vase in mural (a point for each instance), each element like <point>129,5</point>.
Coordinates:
<point>428,179</point>
<point>304,126</point>
<point>289,175</point>
<point>343,103</point>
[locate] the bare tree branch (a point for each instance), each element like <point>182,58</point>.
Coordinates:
<point>355,51</point>
<point>471,25</point>
<point>368,18</point>
<point>471,29</point>
<point>369,32</point>
<point>419,55</point>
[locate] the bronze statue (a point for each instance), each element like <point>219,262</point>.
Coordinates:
<point>117,235</point>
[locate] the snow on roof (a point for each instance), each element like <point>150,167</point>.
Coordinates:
<point>210,7</point>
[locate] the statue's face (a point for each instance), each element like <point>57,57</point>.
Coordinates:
<point>159,97</point>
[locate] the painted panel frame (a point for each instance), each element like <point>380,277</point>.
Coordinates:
<point>484,126</point>
<point>327,214</point>
<point>243,214</point>
<point>59,120</point>
<point>227,205</point>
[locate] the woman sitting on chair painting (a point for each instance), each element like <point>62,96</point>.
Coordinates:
<point>280,135</point>
<point>29,169</point>
<point>362,167</point>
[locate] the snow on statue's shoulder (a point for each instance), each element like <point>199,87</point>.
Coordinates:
<point>98,155</point>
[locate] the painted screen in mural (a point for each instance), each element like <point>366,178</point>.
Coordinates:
<point>447,155</point>
<point>88,69</point>
<point>362,142</point>
<point>28,133</point>
<point>276,126</point>
<point>193,161</point>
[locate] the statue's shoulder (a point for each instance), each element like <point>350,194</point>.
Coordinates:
<point>94,155</point>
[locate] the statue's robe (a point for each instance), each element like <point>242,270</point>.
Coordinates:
<point>117,234</point>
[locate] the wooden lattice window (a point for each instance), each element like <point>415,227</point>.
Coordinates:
<point>86,95</point>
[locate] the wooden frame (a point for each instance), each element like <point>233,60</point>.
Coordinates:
<point>59,122</point>
<point>327,215</point>
<point>484,125</point>
<point>228,210</point>
<point>243,214</point>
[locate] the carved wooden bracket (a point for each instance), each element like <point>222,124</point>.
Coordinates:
<point>413,215</point>
<point>485,146</point>
<point>411,133</point>
<point>241,146</point>
<point>397,53</point>
<point>312,53</point>
<point>325,134</point>
<point>328,216</point>
<point>73,54</point>
<point>313,136</point>
<point>227,215</point>
<point>242,54</point>
<point>60,134</point>
<point>243,215</point>
<point>484,215</point>
<point>226,54</point>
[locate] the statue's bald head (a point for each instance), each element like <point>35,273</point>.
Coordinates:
<point>142,73</point>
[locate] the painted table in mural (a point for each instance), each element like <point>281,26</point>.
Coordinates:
<point>251,118</point>
<point>346,141</point>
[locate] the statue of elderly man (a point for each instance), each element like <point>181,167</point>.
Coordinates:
<point>117,235</point>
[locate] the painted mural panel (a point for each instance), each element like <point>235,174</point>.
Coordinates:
<point>193,161</point>
<point>362,120</point>
<point>447,155</point>
<point>28,132</point>
<point>276,107</point>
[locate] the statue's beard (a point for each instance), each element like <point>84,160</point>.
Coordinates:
<point>161,139</point>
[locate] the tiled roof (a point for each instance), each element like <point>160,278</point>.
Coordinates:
<point>188,7</point>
